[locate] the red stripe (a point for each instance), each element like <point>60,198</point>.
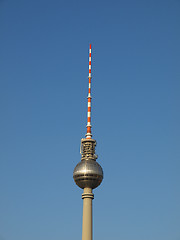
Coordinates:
<point>88,129</point>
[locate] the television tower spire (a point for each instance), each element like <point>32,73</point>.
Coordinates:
<point>89,135</point>
<point>88,173</point>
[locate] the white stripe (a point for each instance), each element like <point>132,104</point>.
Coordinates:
<point>89,66</point>
<point>89,104</point>
<point>90,50</point>
<point>89,85</point>
<point>90,59</point>
<point>89,114</point>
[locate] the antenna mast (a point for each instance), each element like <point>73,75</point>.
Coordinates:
<point>88,134</point>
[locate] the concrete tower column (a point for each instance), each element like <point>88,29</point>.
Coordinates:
<point>87,197</point>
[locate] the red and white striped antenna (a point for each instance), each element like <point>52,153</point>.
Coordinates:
<point>88,134</point>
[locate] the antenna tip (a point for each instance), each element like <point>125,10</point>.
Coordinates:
<point>90,45</point>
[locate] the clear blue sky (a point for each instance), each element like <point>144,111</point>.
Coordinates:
<point>135,116</point>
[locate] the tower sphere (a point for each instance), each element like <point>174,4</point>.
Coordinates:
<point>88,174</point>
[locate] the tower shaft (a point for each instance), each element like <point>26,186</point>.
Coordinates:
<point>87,197</point>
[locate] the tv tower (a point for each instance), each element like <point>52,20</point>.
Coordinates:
<point>88,174</point>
